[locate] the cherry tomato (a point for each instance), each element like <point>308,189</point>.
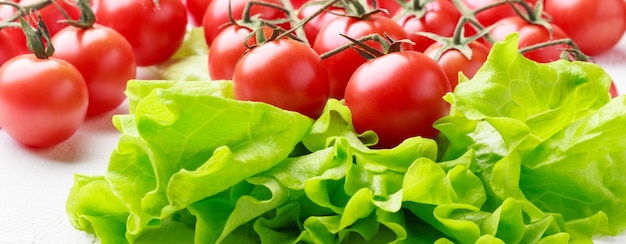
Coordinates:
<point>285,73</point>
<point>613,90</point>
<point>216,15</point>
<point>196,10</point>
<point>341,65</point>
<point>8,49</point>
<point>595,26</point>
<point>313,26</point>
<point>96,52</point>
<point>227,48</point>
<point>42,101</point>
<point>155,33</point>
<point>14,35</point>
<point>452,61</point>
<point>440,17</point>
<point>531,34</point>
<point>392,97</point>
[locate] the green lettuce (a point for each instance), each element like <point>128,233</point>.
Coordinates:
<point>530,153</point>
<point>547,134</point>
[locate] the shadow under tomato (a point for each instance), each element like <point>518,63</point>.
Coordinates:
<point>79,146</point>
<point>68,151</point>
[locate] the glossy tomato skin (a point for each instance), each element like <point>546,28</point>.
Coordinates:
<point>595,26</point>
<point>216,16</point>
<point>154,33</point>
<point>531,34</point>
<point>43,106</point>
<point>440,17</point>
<point>341,65</point>
<point>285,73</point>
<point>226,49</point>
<point>196,10</point>
<point>392,97</point>
<point>104,58</point>
<point>452,61</point>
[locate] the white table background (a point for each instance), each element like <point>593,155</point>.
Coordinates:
<point>34,184</point>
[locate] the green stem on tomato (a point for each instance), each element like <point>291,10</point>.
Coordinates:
<point>360,43</point>
<point>575,50</point>
<point>10,25</point>
<point>23,10</point>
<point>35,38</point>
<point>87,16</point>
<point>528,13</point>
<point>302,22</point>
<point>246,11</point>
<point>415,7</point>
<point>294,20</point>
<point>470,16</point>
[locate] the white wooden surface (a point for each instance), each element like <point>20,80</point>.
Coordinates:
<point>34,183</point>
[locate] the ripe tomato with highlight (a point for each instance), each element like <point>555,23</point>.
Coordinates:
<point>43,106</point>
<point>396,100</point>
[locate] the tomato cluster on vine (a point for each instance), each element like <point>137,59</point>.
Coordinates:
<point>395,93</point>
<point>389,61</point>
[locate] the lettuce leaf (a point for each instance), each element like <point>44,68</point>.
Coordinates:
<point>544,134</point>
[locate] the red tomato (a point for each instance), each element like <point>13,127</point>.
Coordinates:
<point>452,61</point>
<point>96,52</point>
<point>14,35</point>
<point>440,17</point>
<point>43,106</point>
<point>285,73</point>
<point>531,34</point>
<point>341,65</point>
<point>196,10</point>
<point>595,26</point>
<point>613,90</point>
<point>392,97</point>
<point>154,33</point>
<point>227,48</point>
<point>313,26</point>
<point>8,49</point>
<point>216,16</point>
